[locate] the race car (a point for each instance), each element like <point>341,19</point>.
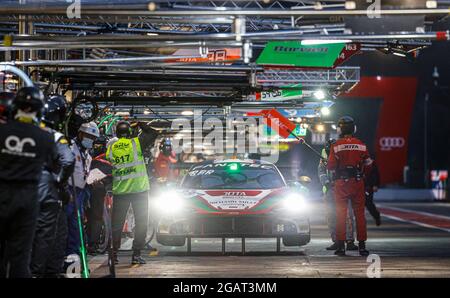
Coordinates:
<point>233,199</point>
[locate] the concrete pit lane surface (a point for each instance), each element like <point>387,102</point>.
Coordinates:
<point>413,241</point>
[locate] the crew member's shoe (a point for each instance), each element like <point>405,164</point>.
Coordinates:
<point>137,259</point>
<point>378,220</point>
<point>351,245</point>
<point>150,247</point>
<point>340,251</point>
<point>362,249</point>
<point>333,246</point>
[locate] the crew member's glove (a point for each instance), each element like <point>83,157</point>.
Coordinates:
<point>64,193</point>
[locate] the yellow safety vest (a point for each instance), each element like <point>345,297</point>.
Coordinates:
<point>129,170</point>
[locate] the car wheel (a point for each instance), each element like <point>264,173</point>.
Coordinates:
<point>168,240</point>
<point>296,240</point>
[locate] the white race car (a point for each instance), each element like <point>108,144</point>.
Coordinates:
<point>232,199</point>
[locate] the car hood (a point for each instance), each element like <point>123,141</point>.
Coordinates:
<point>236,201</point>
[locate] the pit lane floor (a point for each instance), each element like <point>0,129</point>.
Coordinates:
<point>413,241</point>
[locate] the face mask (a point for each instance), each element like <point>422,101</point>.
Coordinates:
<point>87,143</point>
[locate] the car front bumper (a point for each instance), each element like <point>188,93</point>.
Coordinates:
<point>250,226</point>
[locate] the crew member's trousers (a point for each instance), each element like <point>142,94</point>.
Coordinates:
<point>350,190</point>
<point>370,205</point>
<point>121,203</point>
<point>73,229</point>
<point>47,223</point>
<point>45,237</point>
<point>55,263</point>
<point>330,205</point>
<point>18,204</point>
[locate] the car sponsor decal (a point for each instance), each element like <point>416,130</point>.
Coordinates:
<point>230,202</point>
<point>225,164</point>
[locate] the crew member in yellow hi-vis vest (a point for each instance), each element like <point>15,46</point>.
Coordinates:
<point>130,186</point>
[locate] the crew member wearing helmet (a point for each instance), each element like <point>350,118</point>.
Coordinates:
<point>81,145</point>
<point>348,161</point>
<point>24,149</point>
<point>6,99</point>
<point>164,161</point>
<point>328,196</point>
<point>45,260</point>
<point>130,186</point>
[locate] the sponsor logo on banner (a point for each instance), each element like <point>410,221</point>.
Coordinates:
<point>389,143</point>
<point>213,55</point>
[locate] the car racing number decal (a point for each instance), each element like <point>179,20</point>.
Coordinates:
<point>200,172</point>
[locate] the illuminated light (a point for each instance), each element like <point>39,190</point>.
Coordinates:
<point>305,125</point>
<point>152,6</point>
<point>333,126</point>
<point>187,113</point>
<point>350,5</point>
<point>319,94</point>
<point>310,42</point>
<point>147,112</point>
<point>378,78</point>
<point>320,127</point>
<point>169,202</point>
<point>233,167</point>
<point>266,1</point>
<point>325,111</point>
<point>151,34</point>
<point>399,54</point>
<point>295,202</point>
<point>431,4</point>
<point>298,120</point>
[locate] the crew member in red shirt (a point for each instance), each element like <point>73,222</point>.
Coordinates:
<point>349,160</point>
<point>165,161</point>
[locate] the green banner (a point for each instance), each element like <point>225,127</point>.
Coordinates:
<point>294,54</point>
<point>292,92</point>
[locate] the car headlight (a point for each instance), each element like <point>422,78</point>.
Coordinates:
<point>169,202</point>
<point>295,202</point>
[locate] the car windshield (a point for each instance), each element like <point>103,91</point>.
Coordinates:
<point>233,175</point>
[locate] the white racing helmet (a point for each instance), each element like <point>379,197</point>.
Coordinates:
<point>90,128</point>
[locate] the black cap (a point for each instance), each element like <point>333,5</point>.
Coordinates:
<point>55,111</point>
<point>123,129</point>
<point>346,125</point>
<point>29,98</point>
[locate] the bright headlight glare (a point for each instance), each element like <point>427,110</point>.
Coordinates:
<point>295,203</point>
<point>169,202</point>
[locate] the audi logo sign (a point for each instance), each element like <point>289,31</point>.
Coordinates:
<point>388,143</point>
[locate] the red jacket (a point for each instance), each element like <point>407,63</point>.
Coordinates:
<point>163,168</point>
<point>349,152</point>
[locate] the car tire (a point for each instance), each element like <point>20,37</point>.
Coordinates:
<point>168,240</point>
<point>296,240</point>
